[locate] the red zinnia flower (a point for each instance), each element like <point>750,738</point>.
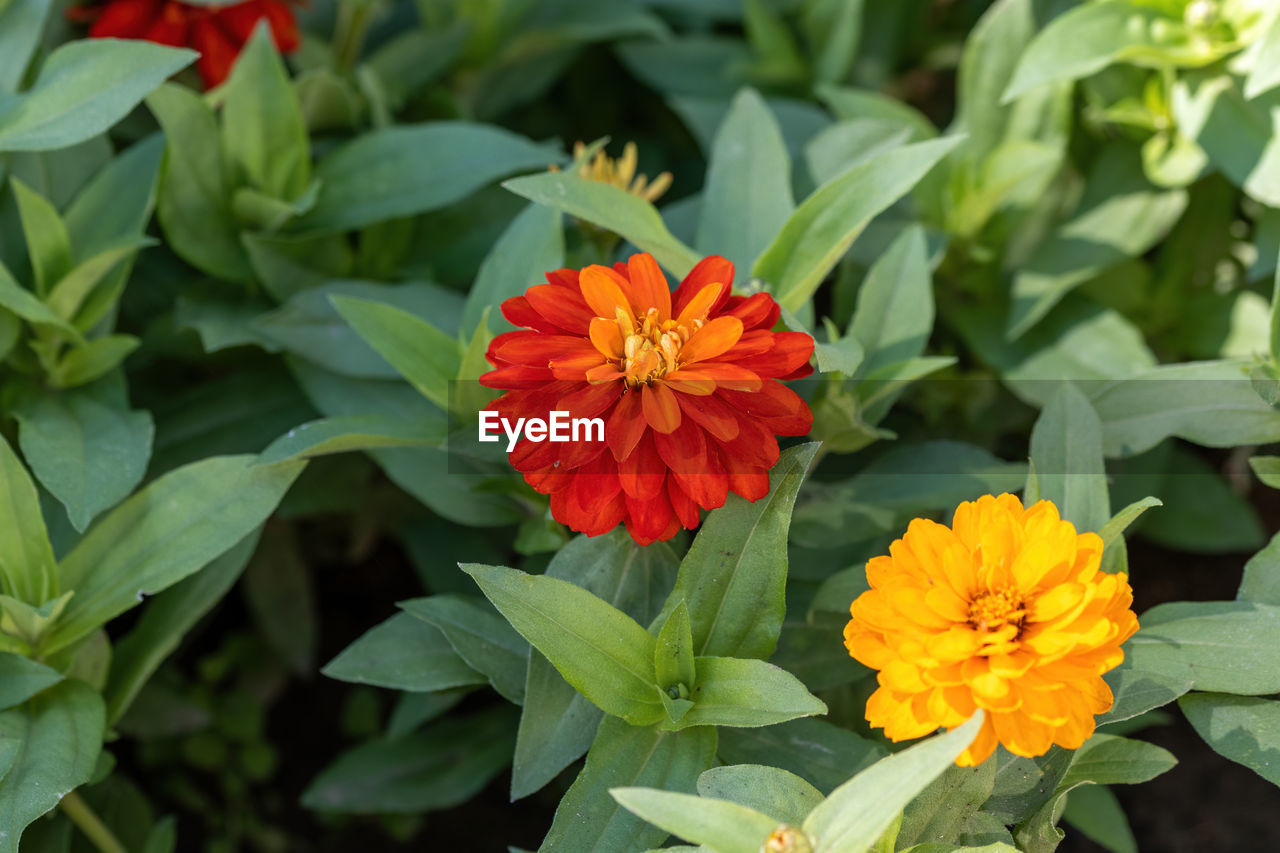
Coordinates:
<point>217,32</point>
<point>686,384</point>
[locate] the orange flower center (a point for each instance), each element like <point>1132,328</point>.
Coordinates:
<point>650,346</point>
<point>993,610</point>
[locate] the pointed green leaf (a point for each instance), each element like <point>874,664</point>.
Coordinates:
<point>164,622</point>
<point>85,445</point>
<point>1220,646</point>
<point>747,196</point>
<point>589,820</point>
<point>1245,729</point>
<point>59,737</point>
<point>746,692</point>
<point>733,578</point>
<point>357,432</point>
<point>85,87</point>
<point>423,354</point>
<point>601,651</point>
<point>781,795</point>
<point>612,209</point>
<point>894,316</point>
<point>21,678</point>
<point>558,723</point>
<point>673,657</point>
<point>718,825</point>
<point>263,134</point>
<point>859,811</point>
<point>531,246</point>
<point>821,230</point>
<point>21,24</point>
<point>403,653</point>
<point>1066,448</point>
<point>480,637</point>
<point>27,565</point>
<point>194,205</point>
<point>172,528</point>
<point>48,244</point>
<point>409,169</point>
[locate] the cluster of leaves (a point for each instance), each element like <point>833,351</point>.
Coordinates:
<point>1076,271</point>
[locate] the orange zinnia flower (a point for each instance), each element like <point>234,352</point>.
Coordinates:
<point>1006,610</point>
<point>217,32</point>
<point>686,384</point>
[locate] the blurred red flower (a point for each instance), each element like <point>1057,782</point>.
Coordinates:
<point>686,383</point>
<point>217,32</point>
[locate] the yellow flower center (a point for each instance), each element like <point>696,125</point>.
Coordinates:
<point>651,347</point>
<point>993,610</point>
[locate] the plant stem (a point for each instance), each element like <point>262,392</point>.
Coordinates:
<point>90,824</point>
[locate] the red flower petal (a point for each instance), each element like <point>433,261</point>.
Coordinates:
<point>125,19</point>
<point>710,270</point>
<point>661,410</point>
<point>568,312</point>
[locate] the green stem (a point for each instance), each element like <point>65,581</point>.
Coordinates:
<point>90,824</point>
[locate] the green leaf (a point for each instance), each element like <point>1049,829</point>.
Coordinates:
<point>411,169</point>
<point>588,819</point>
<point>308,324</point>
<point>859,811</point>
<point>1079,341</point>
<point>85,87</point>
<point>781,795</point>
<point>480,637</point>
<point>1088,38</point>
<point>894,315</point>
<point>21,678</point>
<point>84,445</point>
<point>1265,74</point>
<point>21,23</point>
<point>164,622</point>
<point>817,751</point>
<point>917,478</point>
<point>1110,760</point>
<point>423,354</point>
<point>48,243</point>
<point>1220,646</point>
<point>1137,691</point>
<point>27,565</point>
<point>747,195</point>
<point>733,579</point>
<point>839,354</point>
<point>1116,526</point>
<point>601,651</point>
<point>71,292</point>
<point>558,723</point>
<point>747,693</point>
<point>263,135</point>
<point>59,737</point>
<point>438,768</point>
<point>194,205</point>
<point>826,224</point>
<point>1238,135</point>
<point>718,825</point>
<point>1245,729</point>
<point>1261,581</point>
<point>403,653</point>
<point>673,662</point>
<point>531,245</point>
<point>1210,403</point>
<point>172,528</point>
<point>942,811</point>
<point>1023,785</point>
<point>356,432</point>
<point>1098,815</point>
<point>1266,469</point>
<point>1066,449</point>
<point>82,365</point>
<point>612,209</point>
<point>1121,216</point>
<point>22,302</point>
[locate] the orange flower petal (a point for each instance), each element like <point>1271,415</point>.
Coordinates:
<point>649,286</point>
<point>661,410</point>
<point>602,288</point>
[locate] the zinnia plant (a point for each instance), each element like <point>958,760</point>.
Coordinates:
<point>1006,610</point>
<point>686,382</point>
